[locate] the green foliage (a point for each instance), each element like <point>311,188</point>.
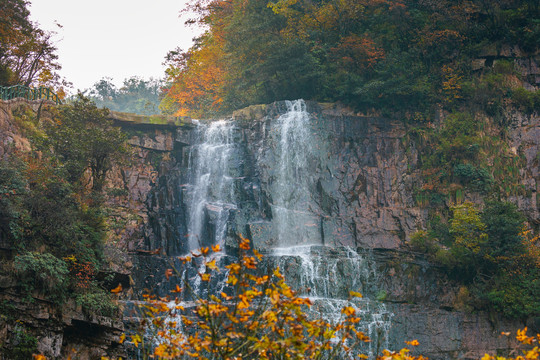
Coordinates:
<point>97,301</point>
<point>393,57</point>
<point>137,95</point>
<point>22,344</point>
<point>7,311</point>
<point>504,224</point>
<point>12,189</point>
<point>514,294</point>
<point>421,241</point>
<point>457,141</point>
<point>43,272</point>
<point>82,137</point>
<point>48,212</point>
<point>489,253</point>
<point>525,100</point>
<point>479,179</point>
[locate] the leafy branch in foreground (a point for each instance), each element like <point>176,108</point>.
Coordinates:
<point>258,317</point>
<point>255,317</point>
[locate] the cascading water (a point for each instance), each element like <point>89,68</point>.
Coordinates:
<point>212,193</point>
<point>293,223</point>
<point>324,274</point>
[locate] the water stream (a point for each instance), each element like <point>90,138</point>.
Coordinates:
<point>211,192</point>
<point>324,274</point>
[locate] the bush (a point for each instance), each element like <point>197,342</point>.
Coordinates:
<point>97,302</point>
<point>22,344</point>
<point>528,101</point>
<point>422,242</point>
<point>43,272</point>
<point>492,256</point>
<point>478,178</point>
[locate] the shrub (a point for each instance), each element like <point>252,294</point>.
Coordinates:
<point>491,254</point>
<point>22,344</point>
<point>478,178</point>
<point>255,317</point>
<point>43,272</point>
<point>422,242</point>
<point>525,100</point>
<point>97,302</point>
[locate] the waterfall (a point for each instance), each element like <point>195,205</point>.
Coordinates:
<point>293,222</point>
<point>324,274</point>
<point>211,190</point>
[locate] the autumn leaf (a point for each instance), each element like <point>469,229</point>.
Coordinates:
<point>117,289</point>
<point>412,343</point>
<point>212,265</point>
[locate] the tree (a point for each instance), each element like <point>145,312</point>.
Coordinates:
<point>257,316</point>
<point>27,53</point>
<point>82,137</point>
<point>137,95</point>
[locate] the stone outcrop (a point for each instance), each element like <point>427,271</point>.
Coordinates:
<point>59,331</point>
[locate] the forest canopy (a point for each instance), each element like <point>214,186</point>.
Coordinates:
<point>402,55</point>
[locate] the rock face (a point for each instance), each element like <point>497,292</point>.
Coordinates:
<point>59,332</point>
<point>353,190</point>
<point>11,137</point>
<point>360,176</point>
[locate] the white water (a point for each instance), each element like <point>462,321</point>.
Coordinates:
<point>293,223</point>
<point>212,185</point>
<point>325,279</point>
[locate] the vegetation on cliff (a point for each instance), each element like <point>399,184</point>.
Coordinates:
<point>389,56</point>
<point>52,220</point>
<point>491,253</point>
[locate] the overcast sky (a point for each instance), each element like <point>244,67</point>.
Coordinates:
<point>113,38</point>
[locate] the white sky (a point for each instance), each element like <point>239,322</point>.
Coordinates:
<point>113,38</point>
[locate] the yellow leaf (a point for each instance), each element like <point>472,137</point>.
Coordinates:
<point>136,339</point>
<point>212,265</point>
<point>412,343</point>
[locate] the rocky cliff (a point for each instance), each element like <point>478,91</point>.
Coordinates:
<point>363,172</point>
<point>32,322</point>
<point>362,176</point>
